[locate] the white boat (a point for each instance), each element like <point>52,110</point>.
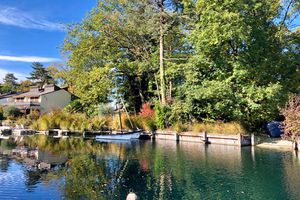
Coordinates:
<point>4,137</point>
<point>124,136</point>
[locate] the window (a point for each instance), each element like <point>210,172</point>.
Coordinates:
<point>20,99</point>
<point>34,99</point>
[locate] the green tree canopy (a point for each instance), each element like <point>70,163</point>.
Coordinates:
<point>24,86</point>
<point>9,83</point>
<point>245,62</point>
<point>123,35</point>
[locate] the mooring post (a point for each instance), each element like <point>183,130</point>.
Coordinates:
<point>296,143</point>
<point>252,140</point>
<point>205,139</point>
<point>176,136</point>
<point>240,139</point>
<point>153,135</point>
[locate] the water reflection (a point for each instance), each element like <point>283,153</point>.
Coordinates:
<point>85,169</point>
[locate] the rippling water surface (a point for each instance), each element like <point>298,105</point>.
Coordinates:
<point>153,170</point>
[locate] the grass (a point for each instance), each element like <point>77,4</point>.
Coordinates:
<point>230,128</point>
<point>79,122</point>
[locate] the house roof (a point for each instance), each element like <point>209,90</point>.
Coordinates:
<point>36,92</point>
<point>31,94</point>
<point>8,95</point>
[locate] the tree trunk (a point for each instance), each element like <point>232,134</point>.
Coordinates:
<point>161,55</point>
<point>170,90</point>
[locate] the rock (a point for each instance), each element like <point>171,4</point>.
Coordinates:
<point>132,196</point>
<point>44,166</point>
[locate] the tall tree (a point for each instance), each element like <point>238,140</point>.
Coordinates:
<point>245,62</point>
<point>40,75</point>
<point>9,83</point>
<point>24,86</point>
<point>161,52</point>
<point>124,35</point>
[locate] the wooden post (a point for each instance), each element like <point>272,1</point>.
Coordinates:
<point>176,137</point>
<point>153,135</point>
<point>205,139</point>
<point>240,139</point>
<point>295,144</point>
<point>252,140</point>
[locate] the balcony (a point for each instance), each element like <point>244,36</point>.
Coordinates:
<point>25,105</point>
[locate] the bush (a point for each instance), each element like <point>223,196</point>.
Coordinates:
<point>11,112</point>
<point>104,109</point>
<point>149,124</point>
<point>147,111</point>
<point>28,120</point>
<point>291,112</point>
<point>97,123</point>
<point>1,113</point>
<point>162,114</point>
<point>75,106</point>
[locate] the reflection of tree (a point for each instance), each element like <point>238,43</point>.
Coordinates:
<point>67,146</point>
<point>5,145</point>
<point>4,163</point>
<point>85,178</point>
<point>169,171</point>
<point>33,177</point>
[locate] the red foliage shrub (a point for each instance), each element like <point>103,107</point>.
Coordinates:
<point>291,114</point>
<point>147,111</point>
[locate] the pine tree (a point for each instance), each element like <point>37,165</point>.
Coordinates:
<point>9,83</point>
<point>40,75</point>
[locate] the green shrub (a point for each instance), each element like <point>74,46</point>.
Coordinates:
<point>11,112</point>
<point>33,115</point>
<point>1,113</point>
<point>162,114</point>
<point>104,109</point>
<point>97,123</point>
<point>75,106</point>
<point>149,124</point>
<point>79,122</point>
<point>43,124</point>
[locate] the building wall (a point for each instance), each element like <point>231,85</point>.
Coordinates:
<point>7,101</point>
<point>55,100</point>
<point>3,101</point>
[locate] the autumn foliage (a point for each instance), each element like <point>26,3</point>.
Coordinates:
<point>147,111</point>
<point>292,117</point>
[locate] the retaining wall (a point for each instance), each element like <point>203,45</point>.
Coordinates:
<point>203,137</point>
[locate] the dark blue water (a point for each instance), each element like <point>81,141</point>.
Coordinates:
<point>154,170</point>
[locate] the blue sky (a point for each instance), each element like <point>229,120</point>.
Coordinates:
<point>33,30</point>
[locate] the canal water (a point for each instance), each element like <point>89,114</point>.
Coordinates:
<point>79,169</point>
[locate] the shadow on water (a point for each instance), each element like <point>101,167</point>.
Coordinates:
<point>87,169</point>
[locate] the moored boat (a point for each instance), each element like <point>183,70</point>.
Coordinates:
<point>119,136</point>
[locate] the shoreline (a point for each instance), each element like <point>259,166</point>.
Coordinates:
<point>203,137</point>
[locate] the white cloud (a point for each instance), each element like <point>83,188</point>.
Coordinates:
<point>28,59</point>
<point>14,17</point>
<point>19,76</point>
